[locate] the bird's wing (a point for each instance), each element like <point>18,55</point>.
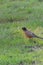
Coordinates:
<point>31,34</point>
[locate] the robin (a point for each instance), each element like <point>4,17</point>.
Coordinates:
<point>30,34</point>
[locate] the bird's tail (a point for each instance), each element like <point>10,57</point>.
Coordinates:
<point>39,37</point>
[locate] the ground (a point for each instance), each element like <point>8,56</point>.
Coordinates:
<point>15,48</point>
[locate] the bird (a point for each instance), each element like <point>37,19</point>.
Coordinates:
<point>30,34</point>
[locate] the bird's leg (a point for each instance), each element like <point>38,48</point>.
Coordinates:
<point>32,40</point>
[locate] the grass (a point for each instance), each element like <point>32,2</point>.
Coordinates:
<point>15,48</point>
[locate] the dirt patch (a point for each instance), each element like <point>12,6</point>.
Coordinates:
<point>28,63</point>
<point>34,48</point>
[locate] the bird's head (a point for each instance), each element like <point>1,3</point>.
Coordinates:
<point>24,29</point>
